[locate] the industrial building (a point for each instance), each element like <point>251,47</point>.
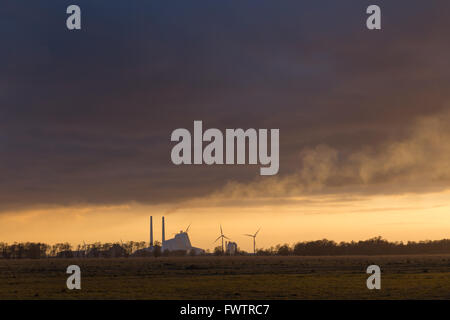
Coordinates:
<point>180,242</point>
<point>231,248</point>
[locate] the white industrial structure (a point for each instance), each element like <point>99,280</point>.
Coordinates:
<point>232,248</point>
<point>180,242</point>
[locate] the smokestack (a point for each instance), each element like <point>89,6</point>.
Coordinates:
<point>163,232</point>
<point>151,231</point>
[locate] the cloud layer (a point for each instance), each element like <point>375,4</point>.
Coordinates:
<point>419,163</point>
<point>86,117</point>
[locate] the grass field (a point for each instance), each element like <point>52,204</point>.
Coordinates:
<point>403,277</point>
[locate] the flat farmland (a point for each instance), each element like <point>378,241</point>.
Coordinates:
<point>344,277</point>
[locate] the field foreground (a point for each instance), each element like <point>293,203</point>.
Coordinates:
<point>403,277</point>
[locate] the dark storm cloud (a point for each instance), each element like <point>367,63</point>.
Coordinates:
<point>86,116</point>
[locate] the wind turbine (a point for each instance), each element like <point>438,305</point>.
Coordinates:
<point>254,239</point>
<point>185,231</point>
<point>222,236</point>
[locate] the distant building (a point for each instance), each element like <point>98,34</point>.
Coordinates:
<point>231,248</point>
<point>180,242</point>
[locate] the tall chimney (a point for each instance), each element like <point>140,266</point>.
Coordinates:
<point>151,231</point>
<point>163,232</point>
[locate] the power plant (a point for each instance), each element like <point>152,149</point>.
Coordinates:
<point>151,231</point>
<point>180,242</point>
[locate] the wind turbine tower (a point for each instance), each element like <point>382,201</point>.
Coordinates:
<point>222,236</point>
<point>254,240</point>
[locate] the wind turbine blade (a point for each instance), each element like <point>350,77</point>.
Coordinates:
<point>226,238</point>
<point>248,235</point>
<point>187,229</point>
<point>221,232</point>
<point>218,238</point>
<point>257,232</point>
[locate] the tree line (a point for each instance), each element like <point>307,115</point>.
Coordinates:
<point>373,246</point>
<point>33,250</point>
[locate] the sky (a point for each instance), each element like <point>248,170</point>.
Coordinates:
<point>86,118</point>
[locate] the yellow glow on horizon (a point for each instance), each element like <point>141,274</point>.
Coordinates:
<point>396,218</point>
